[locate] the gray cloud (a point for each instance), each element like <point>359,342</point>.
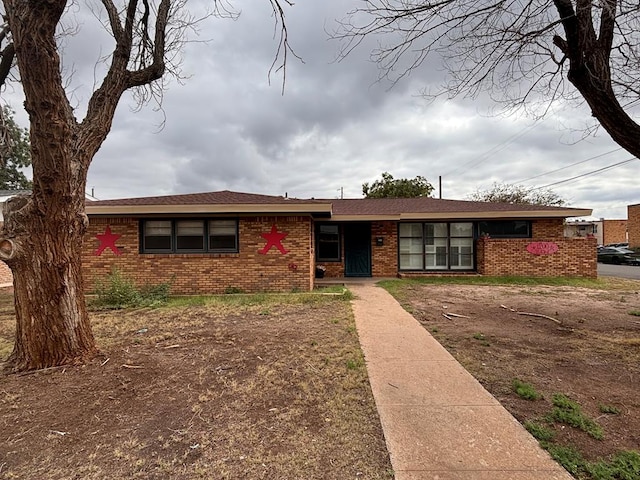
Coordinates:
<point>335,126</point>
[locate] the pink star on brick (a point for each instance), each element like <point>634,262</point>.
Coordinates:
<point>107,240</point>
<point>274,239</point>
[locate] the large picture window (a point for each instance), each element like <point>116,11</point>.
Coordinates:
<point>328,242</point>
<point>189,236</point>
<point>436,246</point>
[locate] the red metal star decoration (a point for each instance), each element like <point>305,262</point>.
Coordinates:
<point>274,239</point>
<point>107,240</point>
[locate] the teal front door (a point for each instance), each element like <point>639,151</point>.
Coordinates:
<point>357,250</point>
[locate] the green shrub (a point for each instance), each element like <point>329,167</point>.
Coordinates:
<point>153,294</point>
<point>116,291</point>
<point>119,291</point>
<point>568,457</point>
<point>539,431</point>
<point>525,390</point>
<point>567,411</point>
<point>231,290</point>
<point>624,465</point>
<point>609,409</point>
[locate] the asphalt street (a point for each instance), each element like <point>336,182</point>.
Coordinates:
<point>623,271</point>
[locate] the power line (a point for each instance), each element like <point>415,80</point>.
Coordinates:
<point>588,173</point>
<point>569,166</point>
<point>497,148</point>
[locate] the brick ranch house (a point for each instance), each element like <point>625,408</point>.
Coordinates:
<point>215,242</point>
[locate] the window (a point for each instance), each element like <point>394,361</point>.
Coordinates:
<point>505,229</point>
<point>328,243</point>
<point>223,235</point>
<point>435,246</point>
<point>410,245</point>
<point>189,236</point>
<point>461,242</point>
<point>157,236</point>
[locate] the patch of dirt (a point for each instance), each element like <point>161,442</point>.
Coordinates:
<point>214,391</point>
<point>592,355</point>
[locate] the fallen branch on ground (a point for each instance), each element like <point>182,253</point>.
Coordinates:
<point>541,316</point>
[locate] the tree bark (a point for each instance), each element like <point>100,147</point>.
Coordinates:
<point>589,57</point>
<point>52,325</point>
<point>41,239</point>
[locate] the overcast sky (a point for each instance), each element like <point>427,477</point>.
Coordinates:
<point>335,127</point>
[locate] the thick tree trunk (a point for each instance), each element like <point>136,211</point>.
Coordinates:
<point>41,239</point>
<point>42,236</point>
<point>592,81</point>
<point>52,325</point>
<point>589,53</point>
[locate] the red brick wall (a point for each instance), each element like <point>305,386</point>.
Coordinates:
<point>384,259</point>
<point>501,257</point>
<point>547,228</point>
<point>576,257</point>
<point>633,225</point>
<point>247,270</point>
<point>5,274</point>
<point>614,231</point>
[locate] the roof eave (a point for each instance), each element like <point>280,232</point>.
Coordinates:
<point>137,210</point>
<point>564,213</point>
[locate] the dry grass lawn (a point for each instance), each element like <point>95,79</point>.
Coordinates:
<point>270,387</point>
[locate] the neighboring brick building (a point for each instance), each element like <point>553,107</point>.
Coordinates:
<point>228,241</point>
<point>633,225</point>
<point>605,231</point>
<point>614,231</point>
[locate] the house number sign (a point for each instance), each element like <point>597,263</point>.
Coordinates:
<point>542,248</point>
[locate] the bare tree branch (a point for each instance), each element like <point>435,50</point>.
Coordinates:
<point>522,53</point>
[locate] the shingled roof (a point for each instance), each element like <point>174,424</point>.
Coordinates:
<point>339,209</point>
<point>426,207</point>
<point>207,203</point>
<point>224,197</point>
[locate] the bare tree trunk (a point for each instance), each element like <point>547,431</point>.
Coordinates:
<point>41,240</point>
<point>44,254</point>
<point>589,54</point>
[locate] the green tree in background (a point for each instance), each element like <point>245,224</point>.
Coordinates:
<point>14,154</point>
<point>389,187</point>
<point>518,194</point>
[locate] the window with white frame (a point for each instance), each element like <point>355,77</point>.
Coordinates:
<point>435,246</point>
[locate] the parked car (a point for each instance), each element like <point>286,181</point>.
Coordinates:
<point>618,256</point>
<point>618,245</point>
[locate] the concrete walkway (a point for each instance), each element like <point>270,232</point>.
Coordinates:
<point>438,421</point>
